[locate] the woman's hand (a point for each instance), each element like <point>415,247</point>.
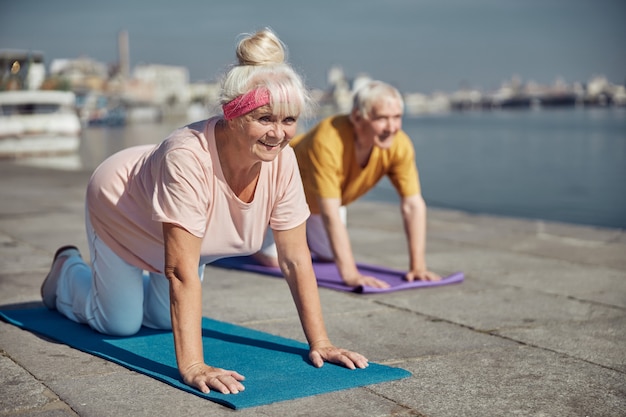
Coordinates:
<point>207,378</point>
<point>326,352</point>
<point>295,262</point>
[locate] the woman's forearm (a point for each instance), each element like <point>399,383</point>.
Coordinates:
<point>186,313</point>
<point>304,292</point>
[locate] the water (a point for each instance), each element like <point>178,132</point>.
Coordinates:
<point>562,165</point>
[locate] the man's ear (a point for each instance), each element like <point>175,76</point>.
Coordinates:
<point>355,116</point>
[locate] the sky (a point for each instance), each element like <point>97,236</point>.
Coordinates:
<point>417,45</point>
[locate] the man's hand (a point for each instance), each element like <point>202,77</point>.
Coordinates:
<point>207,378</point>
<point>365,280</point>
<point>422,275</point>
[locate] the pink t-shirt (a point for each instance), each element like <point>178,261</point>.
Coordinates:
<point>180,181</point>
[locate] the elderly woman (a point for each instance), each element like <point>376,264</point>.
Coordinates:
<point>208,191</point>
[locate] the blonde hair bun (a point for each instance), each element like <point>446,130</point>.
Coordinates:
<point>261,48</point>
<point>262,64</point>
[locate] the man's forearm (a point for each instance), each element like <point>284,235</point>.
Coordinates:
<point>414,217</point>
<point>339,239</point>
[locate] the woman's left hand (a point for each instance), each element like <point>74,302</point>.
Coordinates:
<point>329,353</point>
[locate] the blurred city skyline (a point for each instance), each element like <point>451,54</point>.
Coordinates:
<point>423,46</point>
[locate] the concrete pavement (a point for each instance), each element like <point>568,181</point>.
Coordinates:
<point>538,328</point>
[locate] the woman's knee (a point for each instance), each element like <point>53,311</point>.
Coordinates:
<point>119,323</point>
<point>158,319</point>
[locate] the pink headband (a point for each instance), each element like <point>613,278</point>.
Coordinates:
<point>245,103</point>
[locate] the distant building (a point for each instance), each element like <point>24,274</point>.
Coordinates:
<point>204,100</point>
<point>123,46</point>
<point>170,85</point>
<point>83,73</point>
<point>417,103</point>
<point>337,98</point>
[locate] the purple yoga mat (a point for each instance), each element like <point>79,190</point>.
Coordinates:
<point>328,276</point>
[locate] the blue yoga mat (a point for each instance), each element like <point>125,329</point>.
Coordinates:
<point>276,368</point>
<point>328,276</point>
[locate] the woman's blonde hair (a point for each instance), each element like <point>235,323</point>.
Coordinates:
<point>262,64</point>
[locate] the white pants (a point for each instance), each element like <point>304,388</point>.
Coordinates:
<point>316,237</point>
<point>112,296</point>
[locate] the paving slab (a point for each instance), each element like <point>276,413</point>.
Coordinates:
<point>19,391</point>
<point>516,381</point>
<point>536,329</point>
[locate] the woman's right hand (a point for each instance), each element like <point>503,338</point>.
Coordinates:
<point>207,378</point>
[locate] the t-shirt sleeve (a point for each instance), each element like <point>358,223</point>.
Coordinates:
<point>290,209</point>
<point>403,171</point>
<point>181,193</point>
<point>325,156</point>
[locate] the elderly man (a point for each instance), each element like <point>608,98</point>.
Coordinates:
<point>344,157</point>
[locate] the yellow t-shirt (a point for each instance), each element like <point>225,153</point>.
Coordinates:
<point>327,160</point>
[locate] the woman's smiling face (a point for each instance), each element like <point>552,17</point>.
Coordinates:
<point>267,133</point>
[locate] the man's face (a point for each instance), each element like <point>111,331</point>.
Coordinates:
<point>384,121</point>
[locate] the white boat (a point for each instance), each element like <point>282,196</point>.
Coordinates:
<point>38,122</point>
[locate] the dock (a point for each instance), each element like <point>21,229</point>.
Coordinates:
<point>538,327</point>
